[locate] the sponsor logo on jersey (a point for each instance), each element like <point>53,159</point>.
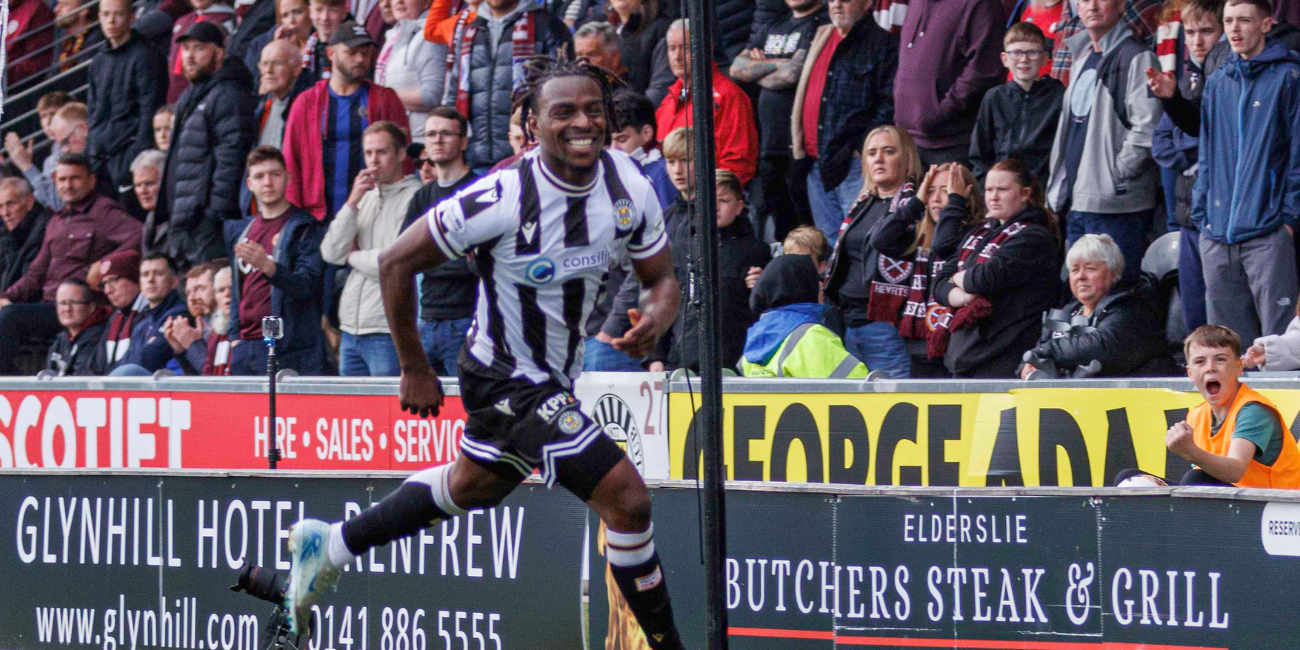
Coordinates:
<point>554,405</point>
<point>570,422</point>
<point>576,262</point>
<point>540,271</point>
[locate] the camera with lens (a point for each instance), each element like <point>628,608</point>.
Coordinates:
<point>271,586</point>
<point>272,327</point>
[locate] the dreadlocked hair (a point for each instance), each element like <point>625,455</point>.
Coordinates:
<point>540,69</point>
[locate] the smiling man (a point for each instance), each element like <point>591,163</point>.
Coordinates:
<point>568,200</point>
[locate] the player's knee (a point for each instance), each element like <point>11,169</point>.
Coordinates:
<point>631,510</point>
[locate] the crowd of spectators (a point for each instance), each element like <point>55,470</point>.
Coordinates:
<point>950,188</point>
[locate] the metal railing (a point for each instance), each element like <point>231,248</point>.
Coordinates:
<point>20,97</point>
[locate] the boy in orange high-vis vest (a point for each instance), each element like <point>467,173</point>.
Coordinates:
<point>1237,436</point>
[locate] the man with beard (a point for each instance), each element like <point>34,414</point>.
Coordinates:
<point>322,139</point>
<point>190,342</point>
<point>214,131</point>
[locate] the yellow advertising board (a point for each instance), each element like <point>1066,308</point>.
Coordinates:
<point>1066,437</point>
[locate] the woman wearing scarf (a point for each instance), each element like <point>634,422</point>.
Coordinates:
<point>858,274</point>
<point>1006,274</point>
<point>924,232</point>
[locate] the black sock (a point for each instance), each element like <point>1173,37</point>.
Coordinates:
<point>639,575</point>
<point>422,501</point>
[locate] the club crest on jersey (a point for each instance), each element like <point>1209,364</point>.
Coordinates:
<point>570,422</point>
<point>540,271</point>
<point>623,212</point>
<point>553,405</point>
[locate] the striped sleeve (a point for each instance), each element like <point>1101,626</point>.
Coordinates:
<point>477,214</point>
<point>649,237</point>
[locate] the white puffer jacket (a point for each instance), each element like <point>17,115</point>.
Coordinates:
<point>1282,351</point>
<point>366,231</point>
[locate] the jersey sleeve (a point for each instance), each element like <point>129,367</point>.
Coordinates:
<point>649,237</point>
<point>477,214</point>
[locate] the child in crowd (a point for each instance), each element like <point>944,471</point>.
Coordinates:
<point>1018,119</point>
<point>162,127</point>
<point>1236,436</point>
<point>789,339</point>
<point>738,250</point>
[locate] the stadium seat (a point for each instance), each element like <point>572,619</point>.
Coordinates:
<point>1161,262</point>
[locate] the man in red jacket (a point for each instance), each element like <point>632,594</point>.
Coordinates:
<point>85,230</point>
<point>735,132</point>
<point>322,138</point>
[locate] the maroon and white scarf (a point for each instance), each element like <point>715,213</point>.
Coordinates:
<point>980,307</point>
<point>904,193</point>
<point>921,314</point>
<point>523,37</point>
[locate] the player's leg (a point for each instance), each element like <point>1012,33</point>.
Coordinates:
<point>320,550</point>
<point>619,497</point>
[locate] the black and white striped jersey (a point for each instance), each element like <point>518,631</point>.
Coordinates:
<point>543,248</point>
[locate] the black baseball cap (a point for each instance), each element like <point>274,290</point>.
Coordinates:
<point>351,34</point>
<point>414,150</point>
<point>205,32</point>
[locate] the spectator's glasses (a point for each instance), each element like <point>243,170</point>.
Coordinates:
<point>69,304</point>
<point>1017,55</point>
<point>425,162</point>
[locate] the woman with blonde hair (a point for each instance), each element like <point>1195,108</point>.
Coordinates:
<point>922,234</point>
<point>857,272</point>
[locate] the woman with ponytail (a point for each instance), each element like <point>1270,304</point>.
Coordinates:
<point>997,285</point>
<point>864,284</point>
<point>924,232</point>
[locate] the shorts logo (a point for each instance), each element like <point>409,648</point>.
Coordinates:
<point>541,271</point>
<point>615,417</point>
<point>623,212</point>
<point>646,583</point>
<point>570,422</point>
<point>551,408</point>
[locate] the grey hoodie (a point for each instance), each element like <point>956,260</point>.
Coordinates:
<point>1116,174</point>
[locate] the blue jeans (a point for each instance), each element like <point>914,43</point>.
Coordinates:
<point>880,346</point>
<point>1129,231</point>
<point>130,370</point>
<point>368,355</point>
<point>602,357</point>
<point>830,208</point>
<point>1191,280</point>
<point>442,340</point>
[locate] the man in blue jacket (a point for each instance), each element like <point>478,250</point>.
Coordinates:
<point>276,270</point>
<point>149,351</point>
<point>1246,202</point>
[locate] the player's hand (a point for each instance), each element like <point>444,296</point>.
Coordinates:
<point>364,183</point>
<point>421,393</point>
<point>1254,356</point>
<point>1179,439</point>
<point>1162,84</point>
<point>640,340</point>
<point>751,276</point>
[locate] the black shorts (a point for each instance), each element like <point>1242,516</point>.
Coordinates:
<point>515,426</point>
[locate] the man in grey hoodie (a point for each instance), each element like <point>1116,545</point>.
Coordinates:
<point>1102,174</point>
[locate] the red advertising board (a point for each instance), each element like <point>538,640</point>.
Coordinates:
<point>216,430</point>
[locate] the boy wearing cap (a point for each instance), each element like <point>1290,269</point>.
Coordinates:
<point>322,139</point>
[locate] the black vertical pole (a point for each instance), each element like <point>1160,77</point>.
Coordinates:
<point>273,448</point>
<point>708,421</point>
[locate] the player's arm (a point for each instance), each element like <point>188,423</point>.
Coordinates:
<point>1229,468</point>
<point>413,252</point>
<point>658,304</point>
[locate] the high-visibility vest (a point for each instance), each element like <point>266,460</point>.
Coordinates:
<point>810,351</point>
<point>1285,472</point>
